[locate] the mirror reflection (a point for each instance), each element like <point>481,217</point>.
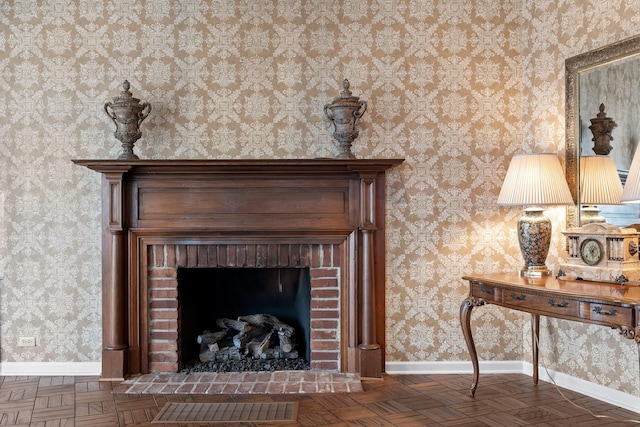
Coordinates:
<point>603,117</point>
<point>609,123</point>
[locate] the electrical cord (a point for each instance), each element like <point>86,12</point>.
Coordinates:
<point>572,402</point>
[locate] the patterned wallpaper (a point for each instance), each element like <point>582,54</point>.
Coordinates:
<point>455,87</point>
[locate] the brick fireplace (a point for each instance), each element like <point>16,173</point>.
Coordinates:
<point>164,261</point>
<point>162,215</point>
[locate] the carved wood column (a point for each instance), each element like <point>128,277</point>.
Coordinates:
<point>114,275</point>
<point>370,352</point>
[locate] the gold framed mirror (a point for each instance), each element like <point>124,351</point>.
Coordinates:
<point>600,70</point>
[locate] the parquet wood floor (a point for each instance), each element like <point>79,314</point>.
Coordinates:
<point>397,400</point>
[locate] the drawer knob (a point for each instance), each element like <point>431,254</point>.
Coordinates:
<point>487,291</point>
<point>562,304</point>
<point>598,310</point>
<point>520,297</point>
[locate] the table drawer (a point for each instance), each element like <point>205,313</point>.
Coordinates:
<point>547,304</point>
<point>484,291</point>
<point>608,314</point>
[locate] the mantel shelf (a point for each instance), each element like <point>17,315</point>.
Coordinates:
<point>281,166</point>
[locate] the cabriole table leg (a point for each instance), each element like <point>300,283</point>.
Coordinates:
<point>465,321</point>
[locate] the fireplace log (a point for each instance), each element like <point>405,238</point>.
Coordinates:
<point>211,337</point>
<point>258,347</point>
<point>226,353</point>
<point>241,339</point>
<point>290,354</point>
<point>271,353</point>
<point>267,319</point>
<point>237,325</point>
<point>286,342</point>
<point>206,354</point>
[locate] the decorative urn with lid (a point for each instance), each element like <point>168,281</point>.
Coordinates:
<point>345,111</point>
<point>127,113</point>
<point>601,127</point>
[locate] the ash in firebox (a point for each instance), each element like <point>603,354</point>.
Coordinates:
<point>246,365</point>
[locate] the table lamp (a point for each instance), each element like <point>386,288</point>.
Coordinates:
<point>599,185</point>
<point>534,180</point>
<point>631,190</point>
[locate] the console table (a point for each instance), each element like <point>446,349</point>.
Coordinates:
<point>613,305</point>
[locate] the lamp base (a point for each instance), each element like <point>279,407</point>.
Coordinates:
<point>591,215</point>
<point>534,271</point>
<point>534,236</point>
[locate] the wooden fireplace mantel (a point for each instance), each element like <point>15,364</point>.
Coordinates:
<point>240,201</point>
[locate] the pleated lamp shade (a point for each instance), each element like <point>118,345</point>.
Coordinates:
<point>599,181</point>
<point>631,191</point>
<point>535,179</point>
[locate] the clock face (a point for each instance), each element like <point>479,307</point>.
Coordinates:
<point>591,252</point>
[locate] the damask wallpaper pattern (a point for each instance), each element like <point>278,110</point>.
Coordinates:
<point>455,87</point>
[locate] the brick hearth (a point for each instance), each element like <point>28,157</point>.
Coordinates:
<point>280,382</point>
<point>164,261</point>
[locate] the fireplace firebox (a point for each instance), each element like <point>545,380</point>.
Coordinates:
<point>207,295</point>
<point>161,219</point>
<point>167,262</point>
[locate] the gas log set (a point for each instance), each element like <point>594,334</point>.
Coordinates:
<point>257,336</point>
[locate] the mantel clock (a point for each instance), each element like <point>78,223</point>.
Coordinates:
<point>602,252</point>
